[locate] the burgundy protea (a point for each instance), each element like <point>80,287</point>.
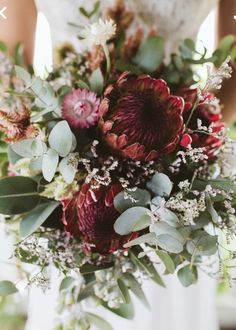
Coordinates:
<point>139,119</point>
<point>210,115</point>
<point>16,124</point>
<point>80,108</point>
<point>91,215</point>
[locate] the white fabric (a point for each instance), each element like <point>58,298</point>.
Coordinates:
<point>175,19</point>
<point>174,308</point>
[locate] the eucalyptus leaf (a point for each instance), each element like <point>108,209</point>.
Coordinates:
<point>99,322</point>
<point>24,75</point>
<point>168,216</point>
<point>187,276</point>
<point>169,243</point>
<point>18,195</point>
<point>139,197</point>
<point>61,139</point>
<point>167,261</point>
<point>149,238</point>
<point>7,288</point>
<point>126,221</point>
<point>125,310</point>
<point>66,283</point>
<point>32,221</point>
<point>150,54</point>
<point>161,227</point>
<point>97,81</point>
<point>136,288</point>
<point>160,185</point>
<point>202,244</point>
<point>23,148</point>
<point>49,164</point>
<point>124,291</point>
<point>67,170</point>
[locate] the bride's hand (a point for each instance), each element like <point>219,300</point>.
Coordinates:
<point>19,25</point>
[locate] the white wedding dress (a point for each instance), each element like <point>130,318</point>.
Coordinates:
<point>173,308</point>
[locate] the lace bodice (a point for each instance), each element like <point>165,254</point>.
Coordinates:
<point>175,19</point>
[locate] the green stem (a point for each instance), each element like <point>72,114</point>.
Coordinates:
<point>108,60</point>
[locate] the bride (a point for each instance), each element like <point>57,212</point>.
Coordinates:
<point>174,308</point>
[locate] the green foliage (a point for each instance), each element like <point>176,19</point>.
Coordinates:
<point>99,322</point>
<point>124,291</point>
<point>187,275</point>
<point>160,185</point>
<point>150,54</point>
<point>66,283</point>
<point>126,221</point>
<point>32,221</point>
<point>97,81</point>
<point>139,197</point>
<point>7,288</point>
<point>18,195</point>
<point>93,12</point>
<point>167,261</point>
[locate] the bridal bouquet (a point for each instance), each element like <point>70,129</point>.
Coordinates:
<point>118,168</point>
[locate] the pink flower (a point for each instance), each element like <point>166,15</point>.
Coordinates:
<point>80,108</point>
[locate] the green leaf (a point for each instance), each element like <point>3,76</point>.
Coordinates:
<point>61,139</point>
<point>149,238</point>
<point>99,322</point>
<point>212,211</point>
<point>23,148</point>
<point>162,228</point>
<point>145,264</point>
<point>126,310</point>
<point>82,84</point>
<point>139,197</point>
<point>7,288</point>
<point>160,185</point>
<point>18,195</point>
<point>150,54</point>
<point>18,54</point>
<point>97,81</point>
<point>169,243</point>
<point>220,183</point>
<point>202,244</point>
<point>36,218</point>
<point>67,170</point>
<point>126,221</point>
<point>49,164</point>
<point>66,283</point>
<point>167,261</point>
<point>3,47</point>
<point>90,268</point>
<point>187,276</point>
<point>24,75</point>
<point>124,291</point>
<point>136,288</point>
<point>168,216</point>
<point>86,292</point>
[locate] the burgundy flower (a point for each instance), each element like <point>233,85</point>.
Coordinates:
<point>210,115</point>
<point>139,119</point>
<point>16,124</point>
<point>91,215</point>
<point>80,108</point>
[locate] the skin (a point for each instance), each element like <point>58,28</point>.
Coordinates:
<point>227,25</point>
<point>21,23</point>
<point>19,26</point>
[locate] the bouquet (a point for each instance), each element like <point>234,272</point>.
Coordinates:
<point>117,167</point>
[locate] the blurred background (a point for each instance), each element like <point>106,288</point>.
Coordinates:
<point>13,309</point>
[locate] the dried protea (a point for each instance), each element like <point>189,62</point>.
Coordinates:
<point>16,124</point>
<point>139,119</point>
<point>120,15</point>
<point>91,215</point>
<point>206,117</point>
<point>132,44</point>
<point>80,108</point>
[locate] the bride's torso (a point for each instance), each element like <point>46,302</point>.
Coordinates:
<point>175,19</point>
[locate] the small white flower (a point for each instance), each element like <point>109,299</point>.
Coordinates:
<point>98,33</point>
<point>215,78</point>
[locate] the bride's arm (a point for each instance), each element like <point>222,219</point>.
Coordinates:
<point>227,25</point>
<point>19,25</point>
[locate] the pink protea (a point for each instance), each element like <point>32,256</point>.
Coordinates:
<point>80,108</point>
<point>140,119</point>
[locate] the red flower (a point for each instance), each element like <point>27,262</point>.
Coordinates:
<point>91,215</point>
<point>16,124</point>
<point>209,113</point>
<point>139,119</point>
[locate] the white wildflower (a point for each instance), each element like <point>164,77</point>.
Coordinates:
<point>98,33</point>
<point>215,78</point>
